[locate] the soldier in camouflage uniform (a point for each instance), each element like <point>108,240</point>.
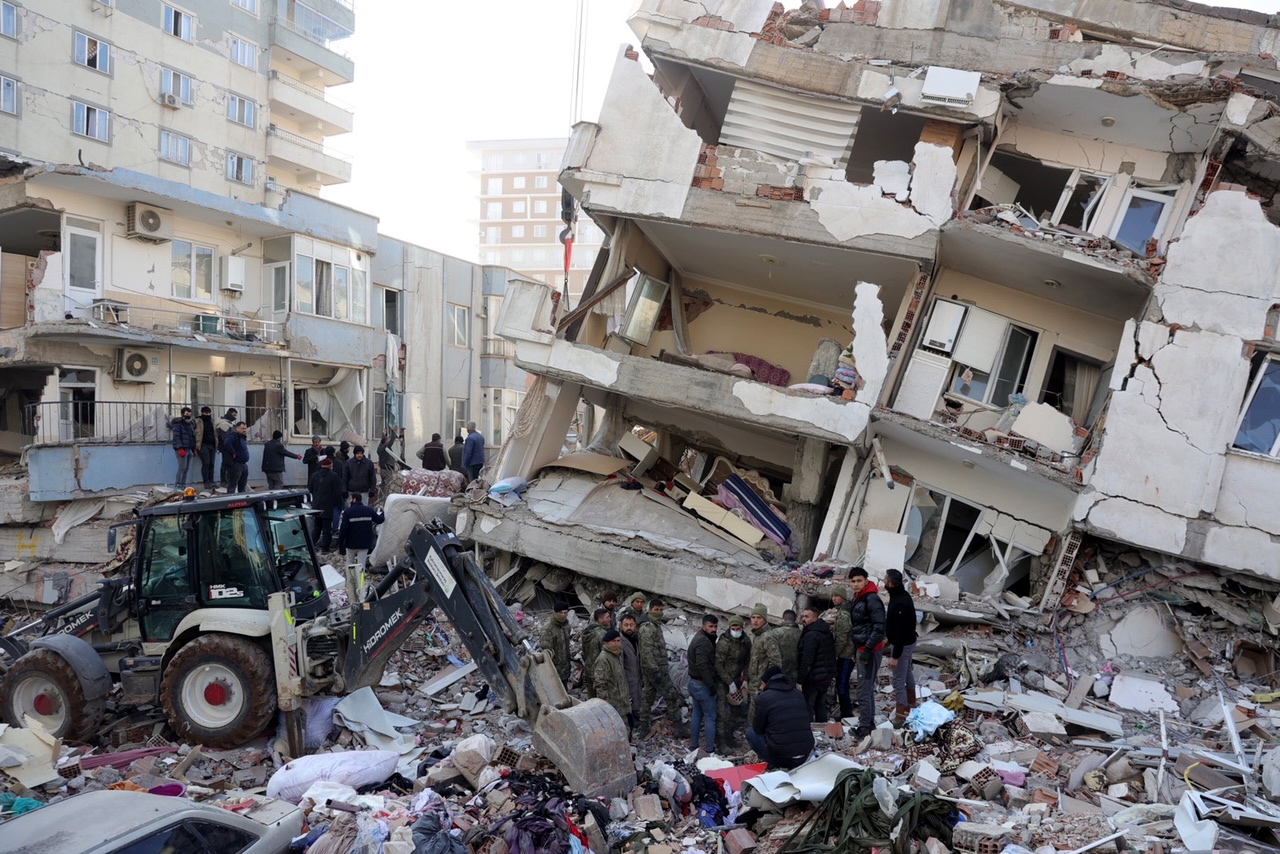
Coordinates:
<point>733,656</point>
<point>788,637</point>
<point>555,640</point>
<point>591,644</point>
<point>655,670</point>
<point>764,654</point>
<point>635,608</point>
<point>610,679</point>
<point>843,630</point>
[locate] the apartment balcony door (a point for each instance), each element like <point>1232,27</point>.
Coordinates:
<point>275,290</point>
<point>83,283</point>
<point>77,394</point>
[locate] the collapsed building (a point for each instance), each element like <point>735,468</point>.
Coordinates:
<point>949,285</point>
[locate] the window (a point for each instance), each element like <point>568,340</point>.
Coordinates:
<point>359,297</point>
<point>239,168</point>
<point>305,284</point>
<point>517,207</point>
<point>539,231</point>
<point>324,288</point>
<point>244,53</point>
<point>1145,212</point>
<point>1259,430</point>
<point>493,210</point>
<point>493,234</point>
<point>177,23</point>
<point>242,111</point>
<point>176,84</point>
<point>8,95</point>
<point>459,325</point>
<point>539,206</point>
<point>991,357</point>
<point>517,231</point>
<point>494,187</point>
<point>250,6</point>
<point>193,391</point>
<point>92,122</point>
<point>457,414</point>
<point>192,270</point>
<point>517,183</point>
<point>175,148</point>
<point>492,162</point>
<point>642,313</point>
<point>379,413</point>
<point>540,182</point>
<point>389,320</point>
<point>8,20</point>
<point>92,53</point>
<point>83,246</point>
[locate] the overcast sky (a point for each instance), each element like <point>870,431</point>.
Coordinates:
<point>431,76</point>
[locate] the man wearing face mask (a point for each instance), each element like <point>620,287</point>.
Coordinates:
<point>184,444</point>
<point>555,640</point>
<point>733,655</point>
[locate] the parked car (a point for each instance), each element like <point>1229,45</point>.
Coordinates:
<point>121,822</point>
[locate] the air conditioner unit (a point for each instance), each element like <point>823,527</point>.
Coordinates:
<point>147,223</point>
<point>137,366</point>
<point>170,100</point>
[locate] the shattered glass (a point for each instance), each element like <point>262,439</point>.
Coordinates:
<point>1261,423</point>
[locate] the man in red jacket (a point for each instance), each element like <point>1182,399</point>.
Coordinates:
<point>867,615</point>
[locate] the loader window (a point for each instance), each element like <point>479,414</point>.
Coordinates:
<point>165,579</point>
<point>234,568</point>
<point>295,562</point>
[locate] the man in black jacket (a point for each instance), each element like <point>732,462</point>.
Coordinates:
<point>326,496</point>
<point>433,456</point>
<point>235,450</point>
<point>355,539</point>
<point>455,455</point>
<point>311,456</point>
<point>362,474</point>
<point>817,666</point>
<point>273,457</point>
<point>184,444</point>
<point>780,733</point>
<point>207,442</point>
<point>702,684</point>
<point>867,615</point>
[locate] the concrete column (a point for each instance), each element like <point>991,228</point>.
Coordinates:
<point>522,456</point>
<point>805,492</point>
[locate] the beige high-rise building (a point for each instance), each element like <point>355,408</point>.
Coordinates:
<point>519,212</point>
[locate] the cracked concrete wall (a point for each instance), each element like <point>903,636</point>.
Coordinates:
<point>1164,476</point>
<point>644,156</point>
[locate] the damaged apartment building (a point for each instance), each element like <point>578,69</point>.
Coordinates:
<point>950,285</point>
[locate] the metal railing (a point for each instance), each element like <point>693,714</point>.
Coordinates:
<point>318,147</point>
<point>309,35</point>
<point>193,321</point>
<point>117,422</point>
<point>295,83</point>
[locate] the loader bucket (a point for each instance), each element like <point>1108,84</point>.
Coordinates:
<point>588,743</point>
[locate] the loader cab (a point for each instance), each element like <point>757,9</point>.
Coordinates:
<point>223,552</point>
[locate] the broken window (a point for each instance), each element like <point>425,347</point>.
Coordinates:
<point>992,358</point>
<point>1072,384</point>
<point>1144,214</point>
<point>457,409</point>
<point>643,312</point>
<point>1057,195</point>
<point>882,135</point>
<point>937,527</point>
<point>1259,430</point>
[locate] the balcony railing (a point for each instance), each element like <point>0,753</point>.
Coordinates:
<point>244,329</point>
<point>295,83</point>
<point>319,148</point>
<point>309,35</point>
<point>499,347</point>
<point>112,422</point>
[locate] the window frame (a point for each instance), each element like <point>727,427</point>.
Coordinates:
<point>1091,210</point>
<point>9,93</point>
<point>250,6</point>
<point>243,174</point>
<point>398,313</point>
<point>518,206</point>
<point>493,210</point>
<point>540,206</point>
<point>172,18</point>
<point>184,146</point>
<point>1167,194</point>
<point>540,182</point>
<point>80,53</point>
<point>1250,398</point>
<point>80,115</point>
<point>193,252</point>
<point>247,108</point>
<point>459,319</point>
<point>247,48</point>
<point>454,405</point>
<point>518,182</point>
<point>185,85</point>
<point>540,231</point>
<point>8,20</point>
<point>993,375</point>
<point>517,231</point>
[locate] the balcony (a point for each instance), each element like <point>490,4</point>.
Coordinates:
<point>307,105</point>
<point>308,55</point>
<point>306,157</point>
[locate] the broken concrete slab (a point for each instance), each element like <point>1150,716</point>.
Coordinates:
<point>1141,693</point>
<point>1141,633</point>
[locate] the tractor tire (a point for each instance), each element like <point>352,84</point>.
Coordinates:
<point>219,691</point>
<point>43,685</point>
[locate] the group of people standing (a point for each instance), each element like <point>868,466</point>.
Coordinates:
<point>465,456</point>
<point>334,477</point>
<point>201,438</point>
<point>773,680</point>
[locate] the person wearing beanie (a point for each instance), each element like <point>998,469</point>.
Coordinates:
<point>221,430</point>
<point>592,638</point>
<point>655,670</point>
<point>326,496</point>
<point>635,608</point>
<point>900,632</point>
<point>609,676</point>
<point>433,455</point>
<point>362,475</point>
<point>765,653</point>
<point>733,657</point>
<point>843,630</point>
<point>555,641</point>
<point>780,733</point>
<point>867,613</point>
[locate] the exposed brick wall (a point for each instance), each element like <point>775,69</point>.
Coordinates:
<point>780,194</point>
<point>712,22</point>
<point>707,175</point>
<point>862,12</point>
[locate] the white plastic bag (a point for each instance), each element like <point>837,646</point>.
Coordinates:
<point>926,718</point>
<point>355,768</point>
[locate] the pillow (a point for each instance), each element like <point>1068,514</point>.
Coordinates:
<point>810,388</point>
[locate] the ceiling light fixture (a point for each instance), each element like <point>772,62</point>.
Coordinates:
<point>1052,283</point>
<point>772,261</point>
<point>1108,121</point>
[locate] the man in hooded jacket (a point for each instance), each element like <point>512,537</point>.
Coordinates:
<point>817,662</point>
<point>867,616</point>
<point>780,733</point>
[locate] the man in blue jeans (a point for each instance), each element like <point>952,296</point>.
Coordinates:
<point>702,685</point>
<point>473,452</point>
